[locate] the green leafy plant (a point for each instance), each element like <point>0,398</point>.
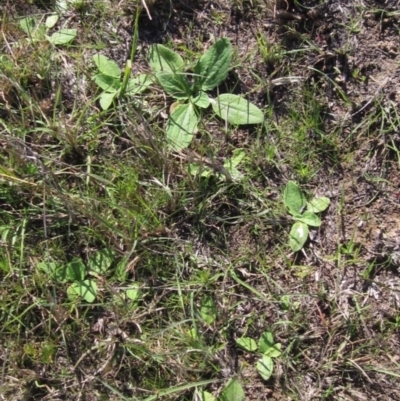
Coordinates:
<point>303,212</point>
<point>209,71</point>
<point>76,272</point>
<point>116,83</point>
<point>233,391</point>
<point>268,350</point>
<point>37,31</point>
<point>228,170</point>
<point>110,80</point>
<point>208,310</point>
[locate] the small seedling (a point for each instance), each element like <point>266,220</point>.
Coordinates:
<point>268,350</point>
<point>110,81</point>
<point>37,31</point>
<point>209,72</point>
<point>228,171</point>
<point>303,212</point>
<point>76,272</point>
<point>208,310</point>
<point>233,391</point>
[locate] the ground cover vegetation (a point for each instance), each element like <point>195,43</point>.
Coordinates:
<point>199,200</point>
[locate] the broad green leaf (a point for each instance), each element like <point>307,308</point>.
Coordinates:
<point>233,392</point>
<point>48,268</point>
<point>51,21</point>
<point>309,218</point>
<point>86,289</point>
<point>293,198</point>
<point>27,25</point>
<point>60,275</point>
<point>265,367</point>
<point>106,99</point>
<point>193,333</point>
<point>208,310</point>
<point>318,205</point>
<point>235,174</point>
<point>181,126</point>
<point>285,302</point>
<point>134,293</point>
<point>236,159</point>
<point>56,272</point>
<point>121,270</point>
<point>101,261</point>
<point>213,66</point>
<point>73,271</point>
<point>76,270</point>
<point>163,59</point>
<point>237,110</point>
<point>201,100</point>
<point>63,36</point>
<point>61,6</point>
<point>274,351</point>
<point>267,346</point>
<point>71,293</point>
<point>266,341</point>
<point>247,344</point>
<point>233,162</point>
<point>107,66</point>
<point>175,85</point>
<point>198,169</point>
<point>208,396</point>
<point>138,84</point>
<point>107,83</point>
<point>298,236</point>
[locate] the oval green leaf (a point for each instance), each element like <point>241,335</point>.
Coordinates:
<point>51,21</point>
<point>27,25</point>
<point>107,83</point>
<point>201,100</point>
<point>181,126</point>
<point>198,169</point>
<point>293,198</point>
<point>100,261</point>
<point>274,351</point>
<point>208,396</point>
<point>208,310</point>
<point>107,66</point>
<point>213,66</point>
<point>237,157</point>
<point>285,302</point>
<point>247,344</point>
<point>309,218</point>
<point>76,270</point>
<point>138,84</point>
<point>237,110</point>
<point>163,59</point>
<point>63,36</point>
<point>61,6</point>
<point>106,99</point>
<point>175,85</point>
<point>298,236</point>
<point>318,205</point>
<point>47,267</point>
<point>134,293</point>
<point>266,341</point>
<point>86,289</point>
<point>233,162</point>
<point>233,391</point>
<point>265,367</point>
